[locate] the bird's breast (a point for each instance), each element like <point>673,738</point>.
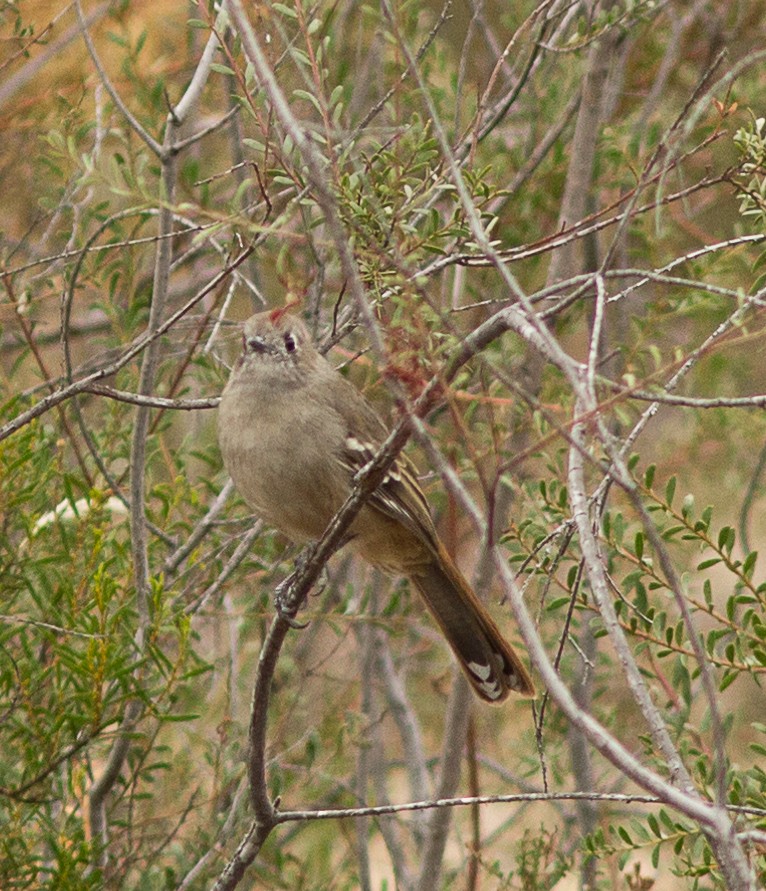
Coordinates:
<point>281,459</point>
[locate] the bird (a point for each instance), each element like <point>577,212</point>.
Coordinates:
<point>294,432</point>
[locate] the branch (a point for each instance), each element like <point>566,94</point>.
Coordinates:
<point>144,134</point>
<point>149,401</point>
<point>471,801</point>
<point>84,383</point>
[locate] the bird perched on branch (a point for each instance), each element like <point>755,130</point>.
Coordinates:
<point>294,433</point>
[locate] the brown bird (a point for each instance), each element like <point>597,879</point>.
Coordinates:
<point>293,434</point>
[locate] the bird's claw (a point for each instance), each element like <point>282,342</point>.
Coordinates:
<point>285,604</point>
<point>292,622</point>
<point>284,600</point>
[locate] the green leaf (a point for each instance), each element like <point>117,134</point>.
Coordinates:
<point>760,261</point>
<point>670,490</point>
<point>706,564</point>
<point>665,818</point>
<point>309,97</point>
<point>726,538</point>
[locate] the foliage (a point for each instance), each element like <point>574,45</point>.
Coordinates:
<point>604,422</point>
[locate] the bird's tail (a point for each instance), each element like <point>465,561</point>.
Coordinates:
<point>489,662</point>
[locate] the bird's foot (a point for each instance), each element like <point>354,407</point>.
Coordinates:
<point>285,600</point>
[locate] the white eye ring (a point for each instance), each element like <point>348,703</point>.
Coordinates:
<point>290,342</point>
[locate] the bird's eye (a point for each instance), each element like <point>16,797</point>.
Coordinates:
<point>290,342</point>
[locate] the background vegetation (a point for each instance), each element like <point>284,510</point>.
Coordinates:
<point>532,233</point>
